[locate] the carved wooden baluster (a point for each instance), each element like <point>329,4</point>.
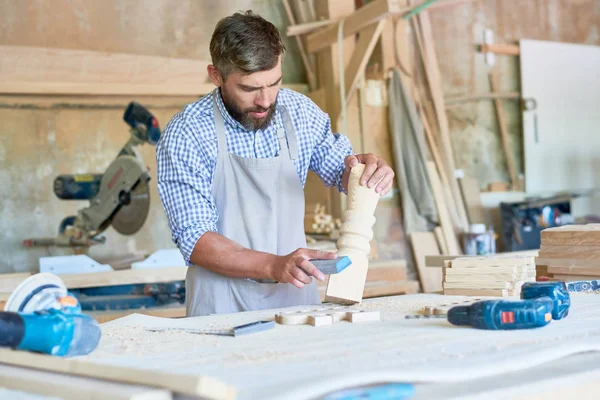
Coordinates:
<point>355,235</point>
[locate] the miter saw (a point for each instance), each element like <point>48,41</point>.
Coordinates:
<point>119,197</point>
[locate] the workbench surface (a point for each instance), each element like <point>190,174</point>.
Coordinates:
<point>301,362</point>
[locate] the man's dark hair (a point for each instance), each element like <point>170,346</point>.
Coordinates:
<point>245,42</point>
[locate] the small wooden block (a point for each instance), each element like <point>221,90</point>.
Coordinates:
<point>320,319</point>
<point>364,316</point>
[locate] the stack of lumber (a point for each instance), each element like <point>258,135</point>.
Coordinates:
<point>500,276</point>
<point>570,252</point>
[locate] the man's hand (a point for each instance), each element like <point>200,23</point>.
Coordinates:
<point>377,172</point>
<point>296,269</point>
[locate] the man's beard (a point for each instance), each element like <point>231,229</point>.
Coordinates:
<point>243,116</point>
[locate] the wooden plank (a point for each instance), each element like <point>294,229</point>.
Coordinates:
<point>425,244</point>
<point>438,261</point>
<point>595,271</point>
<point>312,79</point>
<point>445,222</point>
<point>501,48</point>
<point>388,271</point>
<point>366,15</point>
<point>124,277</point>
<point>439,235</point>
<point>508,153</point>
<point>433,76</point>
<point>482,96</point>
<point>8,282</point>
<point>469,188</point>
<point>40,70</point>
<point>70,387</point>
<point>192,385</point>
<point>367,40</point>
<point>301,29</point>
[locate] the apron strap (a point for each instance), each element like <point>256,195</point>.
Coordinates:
<point>292,140</point>
<point>219,126</point>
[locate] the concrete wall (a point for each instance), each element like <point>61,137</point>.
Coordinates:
<point>458,31</point>
<point>42,137</point>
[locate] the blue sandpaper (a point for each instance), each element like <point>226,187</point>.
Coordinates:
<point>330,267</point>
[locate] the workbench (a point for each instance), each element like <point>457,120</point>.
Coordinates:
<point>305,362</point>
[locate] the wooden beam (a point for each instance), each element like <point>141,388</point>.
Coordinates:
<point>433,77</point>
<point>365,16</point>
<point>438,261</point>
<point>301,29</point>
<point>312,79</point>
<point>112,278</point>
<point>508,153</point>
<point>70,387</point>
<point>39,70</point>
<point>501,48</point>
<point>445,222</point>
<point>482,96</point>
<point>425,244</point>
<point>367,40</point>
<point>368,14</point>
<point>191,385</point>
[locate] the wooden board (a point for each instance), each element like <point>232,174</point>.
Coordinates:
<point>430,63</point>
<point>191,385</point>
<point>41,70</point>
<point>595,271</point>
<point>445,222</point>
<point>111,278</point>
<point>366,15</point>
<point>8,282</point>
<point>439,235</point>
<point>471,194</point>
<point>438,261</point>
<point>389,271</point>
<point>508,152</point>
<point>367,39</point>
<point>425,244</point>
<point>70,387</point>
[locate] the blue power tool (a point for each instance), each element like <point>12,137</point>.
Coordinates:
<point>540,303</point>
<point>41,316</point>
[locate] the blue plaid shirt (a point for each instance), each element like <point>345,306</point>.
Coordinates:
<point>186,156</point>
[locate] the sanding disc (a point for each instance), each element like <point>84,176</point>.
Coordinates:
<point>133,213</point>
<point>23,298</point>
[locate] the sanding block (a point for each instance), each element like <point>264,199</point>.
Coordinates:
<point>330,267</point>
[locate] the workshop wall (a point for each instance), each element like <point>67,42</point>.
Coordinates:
<point>42,137</point>
<point>457,32</point>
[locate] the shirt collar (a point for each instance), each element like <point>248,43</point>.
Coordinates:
<point>228,119</point>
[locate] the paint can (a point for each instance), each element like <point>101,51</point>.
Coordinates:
<point>479,241</point>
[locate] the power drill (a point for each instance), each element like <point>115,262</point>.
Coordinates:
<point>540,303</point>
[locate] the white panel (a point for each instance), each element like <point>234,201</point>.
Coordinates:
<point>562,134</point>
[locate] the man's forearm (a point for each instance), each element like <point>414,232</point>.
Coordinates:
<point>226,257</point>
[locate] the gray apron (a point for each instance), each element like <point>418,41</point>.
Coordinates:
<point>260,203</point>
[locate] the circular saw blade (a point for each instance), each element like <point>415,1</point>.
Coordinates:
<point>131,216</point>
